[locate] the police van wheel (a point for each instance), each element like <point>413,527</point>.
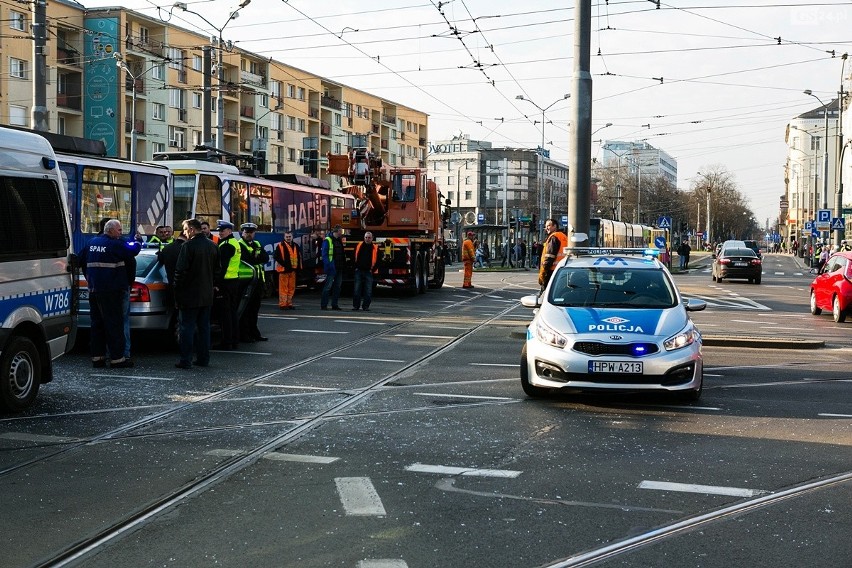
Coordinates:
<point>529,389</point>
<point>20,369</point>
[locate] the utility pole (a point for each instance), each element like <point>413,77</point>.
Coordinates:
<point>206,105</point>
<point>40,114</point>
<point>580,156</point>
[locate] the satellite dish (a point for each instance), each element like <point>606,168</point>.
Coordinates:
<point>469,218</point>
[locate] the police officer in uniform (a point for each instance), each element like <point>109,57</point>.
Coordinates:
<point>162,237</point>
<point>228,284</point>
<point>254,254</point>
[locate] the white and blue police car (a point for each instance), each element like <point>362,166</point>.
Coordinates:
<point>612,320</point>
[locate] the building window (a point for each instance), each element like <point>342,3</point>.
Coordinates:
<point>451,195</point>
<point>175,57</point>
<point>275,89</point>
<point>159,147</point>
<point>337,119</point>
<point>301,125</point>
<point>17,68</point>
<point>158,111</point>
<point>197,98</point>
<point>213,104</point>
<point>468,195</point>
<point>17,20</point>
<point>291,154</point>
<point>61,125</point>
<point>291,123</point>
<point>300,93</point>
<point>158,72</point>
<point>264,100</point>
<point>291,91</point>
<point>451,180</point>
<point>143,35</point>
<point>176,98</point>
<point>263,132</point>
<point>18,115</point>
<point>197,63</point>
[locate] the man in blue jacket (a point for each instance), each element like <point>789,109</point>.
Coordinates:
<point>106,274</point>
<point>333,258</point>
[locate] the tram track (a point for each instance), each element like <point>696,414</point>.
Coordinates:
<point>146,513</point>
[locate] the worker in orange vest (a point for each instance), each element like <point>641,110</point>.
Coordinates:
<point>468,256</point>
<point>288,263</point>
<point>552,253</point>
<point>366,264</point>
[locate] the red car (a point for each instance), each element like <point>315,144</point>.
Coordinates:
<point>832,287</point>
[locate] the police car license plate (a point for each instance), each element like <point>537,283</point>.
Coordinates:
<point>627,367</point>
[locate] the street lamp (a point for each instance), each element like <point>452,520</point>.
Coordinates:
<point>119,62</point>
<point>541,150</point>
<point>825,152</point>
<point>607,125</point>
<point>220,102</point>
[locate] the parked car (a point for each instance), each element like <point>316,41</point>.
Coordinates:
<point>612,323</point>
<point>737,262</point>
<point>151,304</point>
<point>832,287</point>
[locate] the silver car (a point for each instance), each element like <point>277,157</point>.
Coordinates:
<point>151,304</point>
<point>612,322</point>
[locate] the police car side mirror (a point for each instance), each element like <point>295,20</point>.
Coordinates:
<point>694,304</point>
<point>532,301</point>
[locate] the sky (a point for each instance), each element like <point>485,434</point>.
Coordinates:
<point>711,82</point>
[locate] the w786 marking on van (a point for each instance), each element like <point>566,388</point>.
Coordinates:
<point>47,302</point>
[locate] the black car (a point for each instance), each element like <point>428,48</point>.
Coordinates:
<point>737,262</point>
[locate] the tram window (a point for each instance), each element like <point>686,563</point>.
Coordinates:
<point>208,204</point>
<point>261,207</point>
<point>239,203</point>
<point>151,191</point>
<point>105,193</point>
<point>69,176</point>
<point>184,190</point>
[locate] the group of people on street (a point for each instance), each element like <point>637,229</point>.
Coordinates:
<point>683,252</point>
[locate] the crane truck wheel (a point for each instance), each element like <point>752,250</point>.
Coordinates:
<point>421,274</point>
<point>438,276</point>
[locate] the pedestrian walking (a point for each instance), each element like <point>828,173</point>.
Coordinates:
<point>288,259</point>
<point>552,252</point>
<point>523,257</point>
<point>507,255</point>
<point>194,279</point>
<point>228,283</point>
<point>253,253</point>
<point>333,259</point>
<point>366,264</point>
<point>468,256</point>
<point>536,253</point>
<point>106,274</point>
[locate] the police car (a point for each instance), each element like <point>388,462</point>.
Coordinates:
<point>612,320</point>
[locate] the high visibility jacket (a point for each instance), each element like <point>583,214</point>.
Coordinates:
<point>553,252</point>
<point>232,270</point>
<point>468,252</point>
<point>288,257</point>
<point>254,255</point>
<point>359,262</point>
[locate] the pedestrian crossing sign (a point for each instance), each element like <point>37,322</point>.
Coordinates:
<point>838,224</point>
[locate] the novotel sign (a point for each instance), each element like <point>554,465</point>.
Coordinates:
<point>448,148</point>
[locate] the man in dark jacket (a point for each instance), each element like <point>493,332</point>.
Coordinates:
<point>366,263</point>
<point>252,252</point>
<point>333,259</point>
<point>106,274</point>
<point>195,276</point>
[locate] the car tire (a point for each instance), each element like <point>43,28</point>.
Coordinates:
<point>839,315</point>
<point>20,369</point>
<point>814,309</point>
<point>693,395</point>
<point>530,390</point>
<point>757,280</point>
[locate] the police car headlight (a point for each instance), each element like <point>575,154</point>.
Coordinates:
<point>548,335</point>
<point>682,339</point>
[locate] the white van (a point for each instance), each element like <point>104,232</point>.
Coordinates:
<point>36,319</point>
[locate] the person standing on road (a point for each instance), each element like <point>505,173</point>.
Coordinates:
<point>333,259</point>
<point>162,237</point>
<point>507,255</point>
<point>366,264</point>
<point>252,252</point>
<point>106,274</point>
<point>194,278</point>
<point>536,253</point>
<point>229,285</point>
<point>468,256</point>
<point>552,252</point>
<point>168,257</point>
<point>288,259</point>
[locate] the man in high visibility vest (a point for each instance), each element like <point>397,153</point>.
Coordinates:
<point>229,286</point>
<point>252,252</point>
<point>366,264</point>
<point>288,259</point>
<point>468,256</point>
<point>162,237</point>
<point>552,252</point>
<point>333,259</point>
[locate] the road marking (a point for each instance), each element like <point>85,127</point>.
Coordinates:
<point>368,359</point>
<point>316,331</point>
<point>464,396</point>
<point>382,563</point>
<point>465,471</point>
<point>360,322</point>
<point>359,497</point>
<point>240,352</point>
<point>425,336</point>
<point>295,387</point>
<point>779,274</point>
<point>494,364</point>
<point>275,456</point>
<point>828,415</point>
<point>706,489</point>
<point>133,377</point>
<point>285,318</point>
<point>24,437</point>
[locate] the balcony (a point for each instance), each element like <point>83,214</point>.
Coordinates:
<point>67,56</point>
<point>313,112</point>
<point>252,79</point>
<point>247,111</point>
<point>232,126</point>
<point>376,128</point>
<point>389,119</point>
<point>331,102</point>
<point>67,100</point>
<point>138,85</point>
<point>384,144</point>
<point>325,129</point>
<point>422,142</point>
<point>140,127</point>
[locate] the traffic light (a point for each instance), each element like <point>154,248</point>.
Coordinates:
<point>445,218</point>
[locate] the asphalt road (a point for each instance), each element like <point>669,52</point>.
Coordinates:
<point>401,437</point>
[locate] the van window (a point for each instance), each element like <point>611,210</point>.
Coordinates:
<point>32,223</point>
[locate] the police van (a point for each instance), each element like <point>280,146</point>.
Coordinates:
<point>36,316</point>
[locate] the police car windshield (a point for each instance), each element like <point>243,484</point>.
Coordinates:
<point>611,287</point>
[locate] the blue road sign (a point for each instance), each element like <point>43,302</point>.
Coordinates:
<point>480,219</point>
<point>664,222</point>
<point>823,215</point>
<point>565,220</point>
<point>809,225</point>
<point>660,242</point>
<point>838,224</point>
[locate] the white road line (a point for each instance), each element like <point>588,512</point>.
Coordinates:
<point>241,352</point>
<point>465,471</point>
<point>828,415</point>
<point>295,387</point>
<point>368,359</point>
<point>24,437</point>
<point>447,327</point>
<point>779,274</point>
<point>274,456</point>
<point>132,377</point>
<point>316,331</point>
<point>706,489</point>
<point>381,563</point>
<point>425,336</point>
<point>360,322</point>
<point>445,395</point>
<point>359,497</point>
<point>494,364</point>
<point>284,318</point>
